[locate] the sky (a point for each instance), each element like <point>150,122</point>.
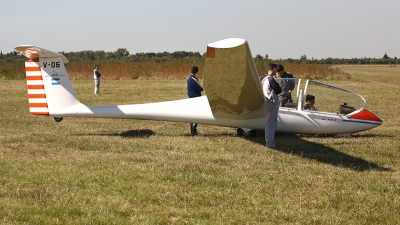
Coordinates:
<point>280,28</point>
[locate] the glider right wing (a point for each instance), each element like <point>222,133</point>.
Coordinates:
<point>231,81</point>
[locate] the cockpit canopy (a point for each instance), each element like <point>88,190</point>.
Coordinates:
<point>328,98</point>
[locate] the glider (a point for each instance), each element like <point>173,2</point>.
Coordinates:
<point>234,97</point>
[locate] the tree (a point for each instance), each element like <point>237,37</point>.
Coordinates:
<point>121,52</point>
<point>303,57</point>
<point>259,56</point>
<point>110,55</point>
<point>99,55</point>
<point>385,56</point>
<point>88,54</point>
<point>266,56</point>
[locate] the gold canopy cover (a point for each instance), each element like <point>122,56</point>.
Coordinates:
<point>231,80</point>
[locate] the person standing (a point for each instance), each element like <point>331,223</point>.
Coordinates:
<point>96,77</point>
<point>287,85</point>
<point>271,90</point>
<point>194,89</point>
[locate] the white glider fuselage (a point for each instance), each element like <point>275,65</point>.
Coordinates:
<point>234,96</point>
<point>197,110</point>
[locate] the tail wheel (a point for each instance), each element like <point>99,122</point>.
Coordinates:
<point>246,132</point>
<point>58,119</point>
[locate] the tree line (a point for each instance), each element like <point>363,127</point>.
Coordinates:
<point>120,64</point>
<point>336,61</point>
<point>122,54</point>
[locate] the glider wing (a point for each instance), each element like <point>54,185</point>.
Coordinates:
<point>231,80</point>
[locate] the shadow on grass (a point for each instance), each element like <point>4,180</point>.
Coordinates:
<point>137,133</point>
<point>131,134</point>
<point>291,144</point>
<point>216,135</point>
<point>372,135</point>
<point>295,145</point>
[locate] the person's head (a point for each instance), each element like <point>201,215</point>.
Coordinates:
<point>280,70</point>
<point>310,99</point>
<point>97,67</point>
<point>272,69</point>
<point>194,70</point>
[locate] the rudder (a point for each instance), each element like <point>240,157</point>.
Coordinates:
<point>36,93</point>
<point>48,84</point>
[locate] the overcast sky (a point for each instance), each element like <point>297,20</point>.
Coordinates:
<point>279,28</point>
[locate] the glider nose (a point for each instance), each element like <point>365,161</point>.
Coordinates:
<point>365,114</point>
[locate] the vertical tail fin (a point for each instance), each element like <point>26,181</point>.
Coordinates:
<point>49,87</point>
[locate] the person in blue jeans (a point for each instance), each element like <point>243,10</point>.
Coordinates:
<point>194,89</point>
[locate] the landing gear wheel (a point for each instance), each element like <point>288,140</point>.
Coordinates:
<point>58,119</point>
<point>246,132</point>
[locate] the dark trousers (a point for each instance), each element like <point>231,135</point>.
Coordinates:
<point>193,130</point>
<point>193,126</point>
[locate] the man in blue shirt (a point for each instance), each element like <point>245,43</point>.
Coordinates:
<point>194,90</point>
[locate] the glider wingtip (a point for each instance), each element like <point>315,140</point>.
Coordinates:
<point>32,52</point>
<point>227,43</point>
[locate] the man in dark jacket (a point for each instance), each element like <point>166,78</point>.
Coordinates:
<point>194,90</point>
<point>287,85</point>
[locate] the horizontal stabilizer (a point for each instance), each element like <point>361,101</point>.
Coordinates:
<point>33,52</point>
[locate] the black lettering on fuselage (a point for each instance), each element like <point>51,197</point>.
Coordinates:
<point>329,119</point>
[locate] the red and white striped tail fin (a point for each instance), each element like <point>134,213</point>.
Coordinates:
<point>50,91</point>
<point>36,92</point>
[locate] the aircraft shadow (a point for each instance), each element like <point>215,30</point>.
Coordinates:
<point>373,135</point>
<point>131,134</point>
<point>353,135</point>
<point>137,133</point>
<point>295,145</point>
<point>290,144</point>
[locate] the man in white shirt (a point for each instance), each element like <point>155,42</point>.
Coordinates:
<point>96,77</point>
<point>271,90</point>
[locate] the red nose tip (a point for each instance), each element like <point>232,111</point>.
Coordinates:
<point>366,115</point>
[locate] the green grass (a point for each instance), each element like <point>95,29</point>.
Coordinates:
<point>115,171</point>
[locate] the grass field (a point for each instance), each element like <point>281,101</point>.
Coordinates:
<point>115,171</point>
